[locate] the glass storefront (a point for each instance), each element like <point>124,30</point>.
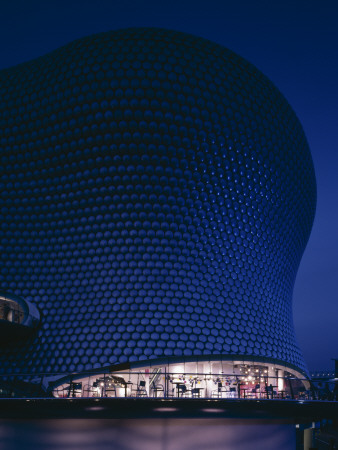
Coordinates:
<point>194,379</point>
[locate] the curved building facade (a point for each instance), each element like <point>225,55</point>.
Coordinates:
<point>156,196</point>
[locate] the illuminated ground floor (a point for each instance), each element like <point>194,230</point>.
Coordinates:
<point>212,378</point>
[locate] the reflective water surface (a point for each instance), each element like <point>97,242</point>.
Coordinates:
<point>147,434</point>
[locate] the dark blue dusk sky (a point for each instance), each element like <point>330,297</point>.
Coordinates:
<point>294,43</point>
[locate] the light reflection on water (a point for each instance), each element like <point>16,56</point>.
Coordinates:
<point>144,434</point>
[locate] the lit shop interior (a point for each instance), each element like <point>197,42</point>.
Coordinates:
<point>195,379</point>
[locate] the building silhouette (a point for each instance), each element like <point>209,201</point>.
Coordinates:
<point>156,196</point>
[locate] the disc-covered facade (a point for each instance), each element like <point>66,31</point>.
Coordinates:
<point>156,196</point>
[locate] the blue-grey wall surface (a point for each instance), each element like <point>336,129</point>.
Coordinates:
<point>156,196</point>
